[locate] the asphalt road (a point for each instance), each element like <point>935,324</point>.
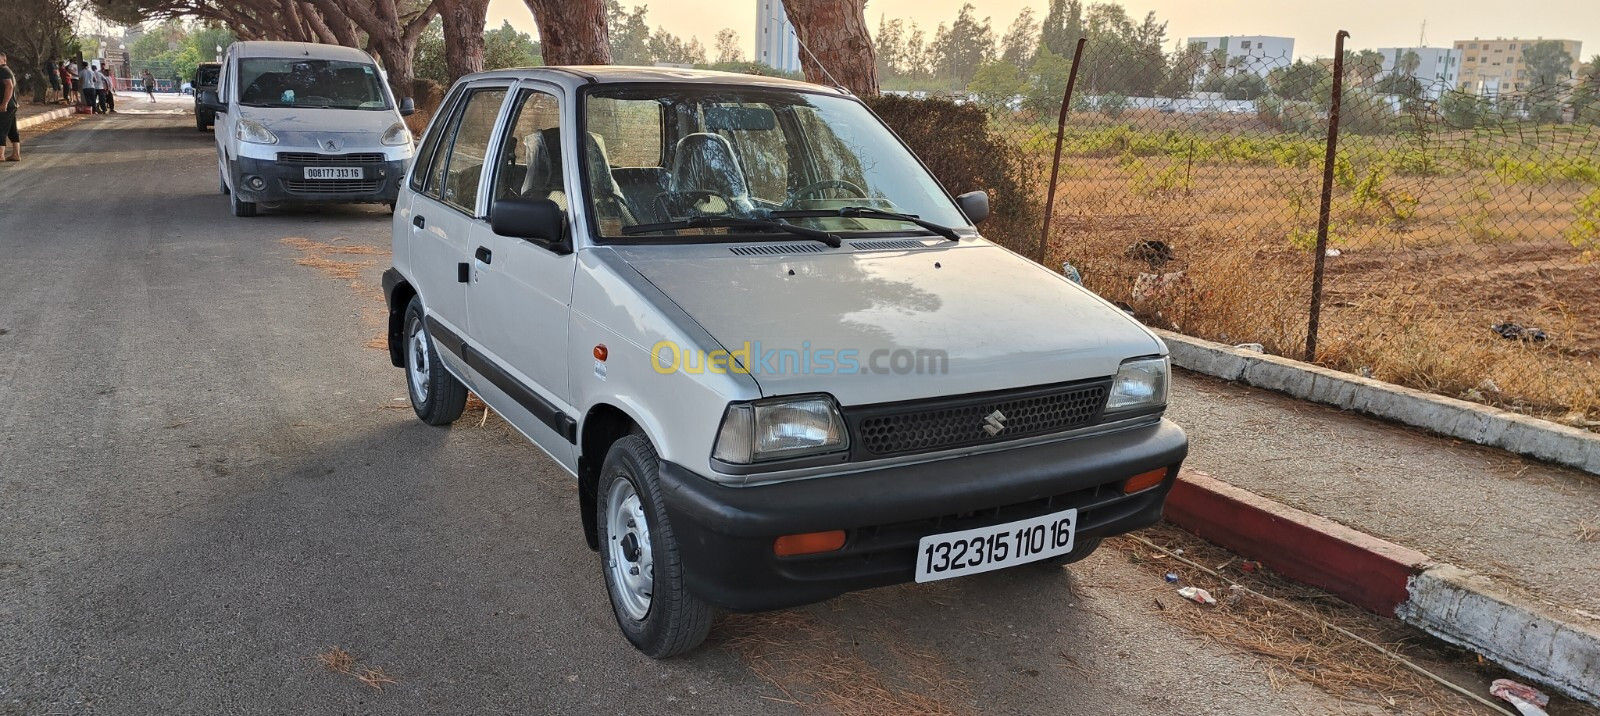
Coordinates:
<point>208,478</point>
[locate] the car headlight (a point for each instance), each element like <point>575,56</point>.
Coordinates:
<point>780,428</point>
<point>248,130</point>
<point>396,136</point>
<point>1140,383</point>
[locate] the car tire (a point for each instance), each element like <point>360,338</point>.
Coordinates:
<point>1080,552</point>
<point>436,396</point>
<point>199,122</point>
<point>643,570</point>
<point>240,206</point>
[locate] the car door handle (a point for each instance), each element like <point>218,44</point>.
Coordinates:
<point>419,221</point>
<point>484,255</point>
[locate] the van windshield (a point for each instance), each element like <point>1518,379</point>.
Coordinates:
<point>273,82</point>
<point>680,162</point>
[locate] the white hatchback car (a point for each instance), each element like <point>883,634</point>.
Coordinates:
<point>779,360</point>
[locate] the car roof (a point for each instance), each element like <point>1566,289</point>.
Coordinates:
<point>618,74</point>
<point>257,48</point>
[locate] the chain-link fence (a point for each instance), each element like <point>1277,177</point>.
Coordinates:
<point>1462,244</point>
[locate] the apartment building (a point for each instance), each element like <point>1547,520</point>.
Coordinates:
<point>1494,67</point>
<point>1256,53</point>
<point>776,44</point>
<point>1436,68</point>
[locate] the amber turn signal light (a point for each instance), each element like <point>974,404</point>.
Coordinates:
<point>600,352</point>
<point>1144,481</point>
<point>808,543</point>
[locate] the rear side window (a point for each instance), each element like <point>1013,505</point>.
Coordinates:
<point>429,155</point>
<point>469,148</point>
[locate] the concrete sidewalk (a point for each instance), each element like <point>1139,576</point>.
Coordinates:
<point>1531,526</point>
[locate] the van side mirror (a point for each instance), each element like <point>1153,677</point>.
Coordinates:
<point>408,107</point>
<point>209,101</point>
<point>975,204</point>
<point>538,220</point>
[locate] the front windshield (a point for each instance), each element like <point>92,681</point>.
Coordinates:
<point>658,156</point>
<point>336,84</point>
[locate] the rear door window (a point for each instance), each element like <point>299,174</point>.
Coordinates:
<point>469,148</point>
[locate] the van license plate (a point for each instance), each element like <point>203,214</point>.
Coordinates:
<point>333,173</point>
<point>956,554</point>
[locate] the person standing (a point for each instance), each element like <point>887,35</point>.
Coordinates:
<point>52,75</point>
<point>149,82</point>
<point>8,113</point>
<point>108,92</point>
<point>66,81</point>
<point>86,86</point>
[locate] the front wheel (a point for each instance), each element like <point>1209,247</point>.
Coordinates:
<point>436,396</point>
<point>644,573</point>
<point>240,206</point>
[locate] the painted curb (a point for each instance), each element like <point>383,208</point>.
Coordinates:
<point>1525,636</point>
<point>38,119</point>
<point>1476,423</point>
<point>1361,569</point>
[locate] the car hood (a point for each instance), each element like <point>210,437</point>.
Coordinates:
<point>880,326</point>
<point>306,127</point>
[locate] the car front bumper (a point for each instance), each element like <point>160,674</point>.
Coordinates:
<point>286,182</point>
<point>725,534</point>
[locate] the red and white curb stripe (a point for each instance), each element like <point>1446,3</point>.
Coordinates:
<point>1542,642</point>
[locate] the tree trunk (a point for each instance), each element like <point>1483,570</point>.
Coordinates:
<point>835,31</point>
<point>391,36</point>
<point>572,32</point>
<point>463,35</point>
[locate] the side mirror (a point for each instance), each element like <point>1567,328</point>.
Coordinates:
<point>408,107</point>
<point>539,220</point>
<point>975,204</point>
<point>209,101</point>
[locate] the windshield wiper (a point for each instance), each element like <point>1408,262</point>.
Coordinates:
<point>702,222</point>
<point>867,212</point>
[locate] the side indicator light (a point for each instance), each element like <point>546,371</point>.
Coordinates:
<point>1144,481</point>
<point>808,543</point>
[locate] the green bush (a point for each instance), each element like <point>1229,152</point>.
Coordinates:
<point>959,144</point>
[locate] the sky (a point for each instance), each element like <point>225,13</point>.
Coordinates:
<point>1372,23</point>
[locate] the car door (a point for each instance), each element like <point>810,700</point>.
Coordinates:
<point>445,204</point>
<point>521,290</point>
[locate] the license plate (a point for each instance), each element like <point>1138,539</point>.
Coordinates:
<point>333,173</point>
<point>957,554</point>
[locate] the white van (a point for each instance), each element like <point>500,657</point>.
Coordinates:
<point>298,122</point>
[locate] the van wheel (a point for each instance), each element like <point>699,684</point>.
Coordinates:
<point>639,555</point>
<point>1080,552</point>
<point>240,206</point>
<point>436,396</point>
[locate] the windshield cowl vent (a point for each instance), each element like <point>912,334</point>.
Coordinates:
<point>886,244</point>
<point>775,249</point>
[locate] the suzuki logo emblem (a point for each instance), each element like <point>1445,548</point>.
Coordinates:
<point>994,422</point>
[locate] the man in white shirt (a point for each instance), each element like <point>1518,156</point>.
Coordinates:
<point>88,81</point>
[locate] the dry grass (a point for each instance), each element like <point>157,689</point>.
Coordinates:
<point>1292,643</point>
<point>339,661</point>
<point>373,313</point>
<point>821,669</point>
<point>1410,301</point>
<point>1587,531</point>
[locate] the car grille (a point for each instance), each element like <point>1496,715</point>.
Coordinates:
<point>332,186</point>
<point>925,425</point>
<point>328,159</point>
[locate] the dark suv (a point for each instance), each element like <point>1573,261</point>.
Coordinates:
<point>205,78</point>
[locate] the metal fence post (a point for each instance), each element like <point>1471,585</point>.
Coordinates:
<point>1055,166</point>
<point>1326,207</point>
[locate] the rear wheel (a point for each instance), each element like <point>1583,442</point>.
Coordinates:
<point>436,396</point>
<point>639,553</point>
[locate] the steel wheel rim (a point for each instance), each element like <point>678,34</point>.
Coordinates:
<point>629,559</point>
<point>418,361</point>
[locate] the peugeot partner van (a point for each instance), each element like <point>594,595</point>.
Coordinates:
<point>299,122</point>
<point>779,360</point>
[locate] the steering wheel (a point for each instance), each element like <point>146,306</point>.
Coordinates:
<point>817,186</point>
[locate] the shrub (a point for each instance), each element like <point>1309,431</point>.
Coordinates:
<point>959,144</point>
